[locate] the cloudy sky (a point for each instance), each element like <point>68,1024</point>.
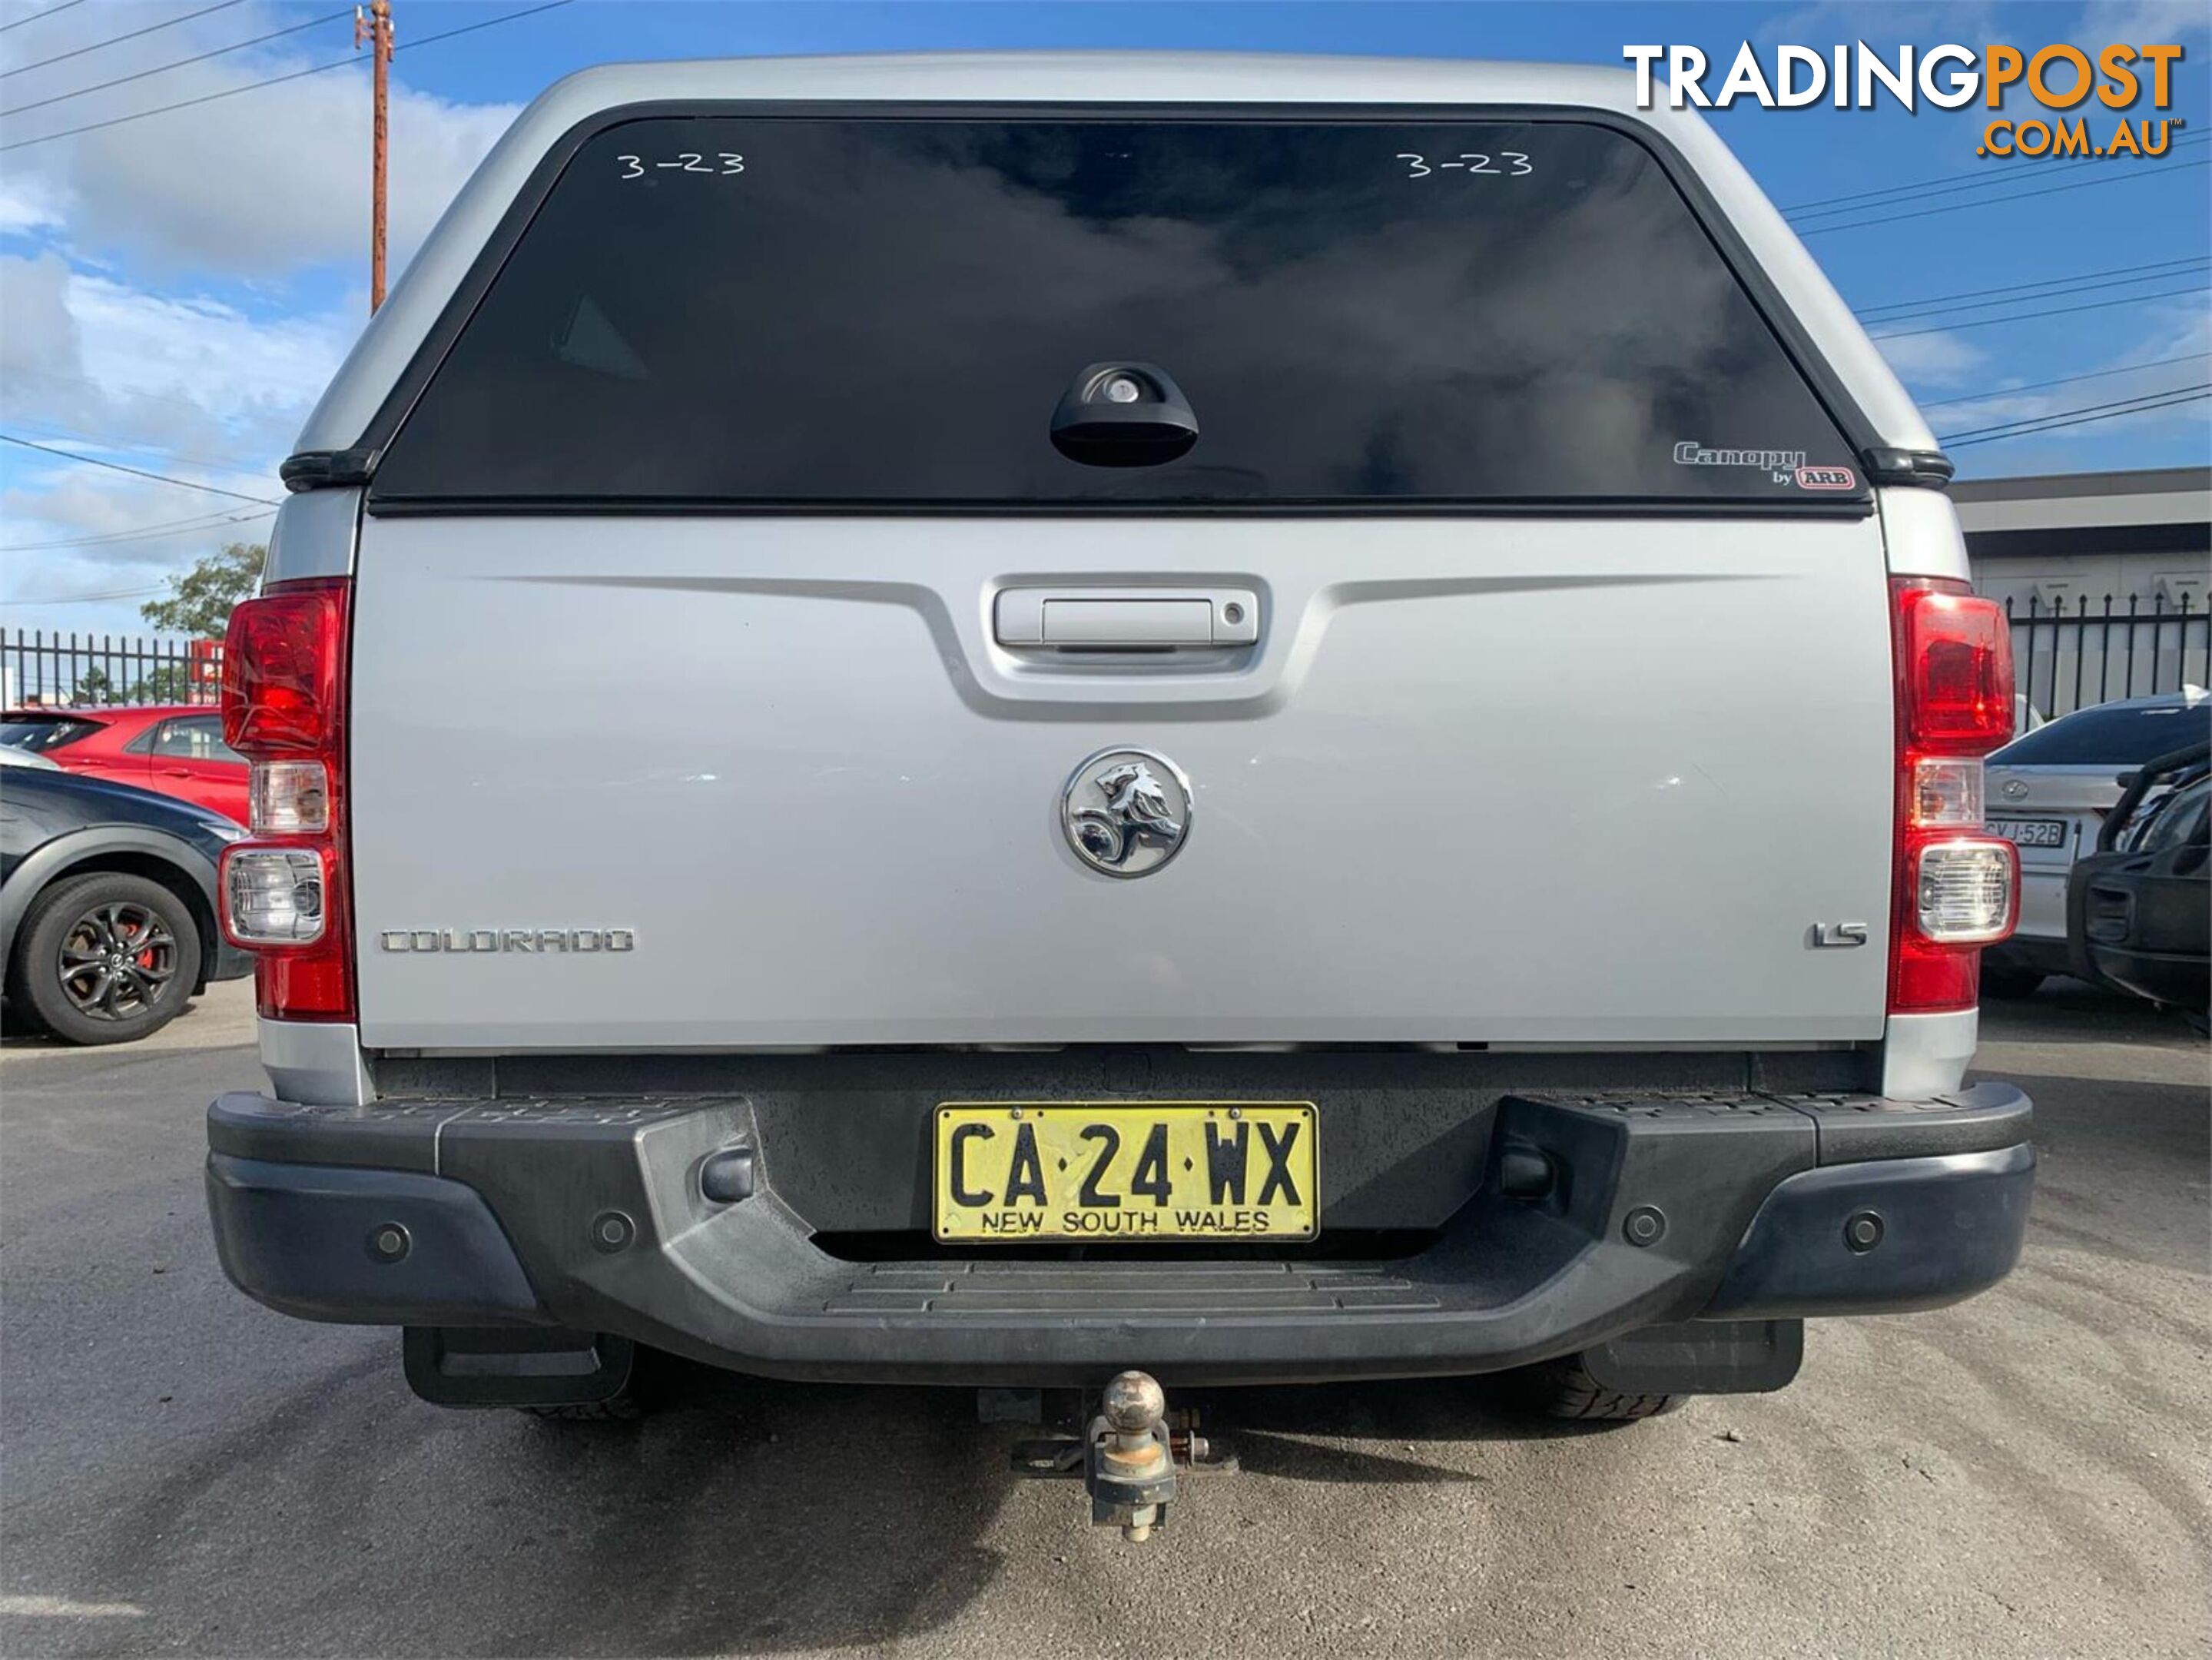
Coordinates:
<point>177,284</point>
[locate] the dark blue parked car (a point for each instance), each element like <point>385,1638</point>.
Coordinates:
<point>107,905</point>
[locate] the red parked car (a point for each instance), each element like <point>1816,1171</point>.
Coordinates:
<point>174,749</point>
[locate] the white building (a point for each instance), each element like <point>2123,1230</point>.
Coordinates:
<point>2107,575</point>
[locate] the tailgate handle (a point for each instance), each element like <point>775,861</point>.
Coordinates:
<point>1127,619</point>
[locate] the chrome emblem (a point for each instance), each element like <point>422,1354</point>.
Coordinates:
<point>2014,789</point>
<point>1126,812</point>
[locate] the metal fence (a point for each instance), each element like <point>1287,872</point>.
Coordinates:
<point>72,669</point>
<point>2068,657</point>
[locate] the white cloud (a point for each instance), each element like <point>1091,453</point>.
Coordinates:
<point>143,346</point>
<point>259,186</point>
<point>178,315</point>
<point>25,205</point>
<point>176,384</point>
<point>200,200</point>
<point>1937,359</point>
<point>98,358</point>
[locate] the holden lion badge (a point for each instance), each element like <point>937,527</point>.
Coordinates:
<point>1126,812</point>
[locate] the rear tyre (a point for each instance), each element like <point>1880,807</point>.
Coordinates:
<point>105,957</point>
<point>2010,982</point>
<point>1564,1388</point>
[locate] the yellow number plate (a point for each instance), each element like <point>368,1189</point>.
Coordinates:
<point>1118,1172</point>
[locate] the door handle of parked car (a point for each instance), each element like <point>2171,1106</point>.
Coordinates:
<point>1125,619</point>
<point>176,772</point>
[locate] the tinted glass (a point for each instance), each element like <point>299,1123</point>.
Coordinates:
<point>40,733</point>
<point>809,310</point>
<point>2109,737</point>
<point>2171,821</point>
<point>195,737</point>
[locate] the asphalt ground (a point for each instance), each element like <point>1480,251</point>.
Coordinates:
<point>183,1472</point>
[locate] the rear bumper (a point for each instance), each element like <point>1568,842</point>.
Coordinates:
<point>588,1213</point>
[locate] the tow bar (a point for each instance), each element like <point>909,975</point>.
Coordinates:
<point>1128,1457</point>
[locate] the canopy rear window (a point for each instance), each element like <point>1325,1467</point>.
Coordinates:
<point>787,310</point>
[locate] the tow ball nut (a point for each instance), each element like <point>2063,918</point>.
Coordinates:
<point>1132,1468</point>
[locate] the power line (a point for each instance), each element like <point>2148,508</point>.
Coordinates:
<point>2062,380</point>
<point>198,58</point>
<point>275,80</point>
<point>208,98</point>
<point>2122,177</point>
<point>155,533</point>
<point>222,463</point>
<point>2120,276</point>
<point>83,598</point>
<point>1950,184</point>
<point>2084,421</point>
<point>47,12</point>
<point>117,39</point>
<point>136,472</point>
<point>2068,417</point>
<point>159,528</point>
<point>2050,293</point>
<point>2082,409</point>
<point>2024,316</point>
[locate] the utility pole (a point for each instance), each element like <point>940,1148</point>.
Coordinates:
<point>372,28</point>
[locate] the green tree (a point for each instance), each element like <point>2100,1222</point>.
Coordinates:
<point>165,683</point>
<point>169,683</point>
<point>199,601</point>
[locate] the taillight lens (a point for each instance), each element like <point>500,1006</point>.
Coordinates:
<point>288,798</point>
<point>1955,655</point>
<point>275,896</point>
<point>1956,889</point>
<point>282,664</point>
<point>1964,892</point>
<point>284,892</point>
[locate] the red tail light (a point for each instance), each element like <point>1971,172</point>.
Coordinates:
<point>283,893</point>
<point>1956,889</point>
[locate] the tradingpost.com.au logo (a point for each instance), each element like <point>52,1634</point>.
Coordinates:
<point>2059,78</point>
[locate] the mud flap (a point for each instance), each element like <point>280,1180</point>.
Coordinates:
<point>1701,1357</point>
<point>515,1366</point>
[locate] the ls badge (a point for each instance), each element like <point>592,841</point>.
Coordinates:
<point>1126,812</point>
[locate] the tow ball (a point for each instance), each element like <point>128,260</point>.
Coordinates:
<point>1127,1467</point>
<point>1128,1457</point>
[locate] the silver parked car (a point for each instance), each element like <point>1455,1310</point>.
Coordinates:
<point>2049,790</point>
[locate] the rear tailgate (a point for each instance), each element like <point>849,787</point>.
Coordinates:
<point>681,711</point>
<point>1478,782</point>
